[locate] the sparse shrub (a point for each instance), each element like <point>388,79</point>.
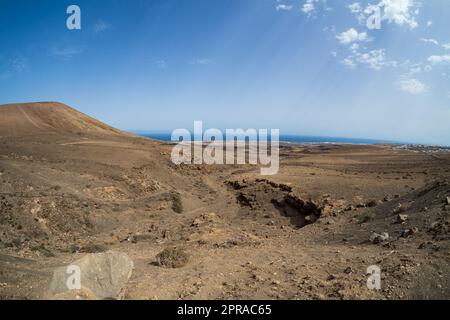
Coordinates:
<point>365,219</point>
<point>172,257</point>
<point>400,208</point>
<point>371,203</point>
<point>177,204</point>
<point>93,248</point>
<point>42,250</point>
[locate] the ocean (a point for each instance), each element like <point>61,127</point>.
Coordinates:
<point>292,139</point>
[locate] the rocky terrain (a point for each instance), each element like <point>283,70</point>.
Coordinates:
<point>73,188</point>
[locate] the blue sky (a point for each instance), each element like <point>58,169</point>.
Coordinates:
<point>309,67</point>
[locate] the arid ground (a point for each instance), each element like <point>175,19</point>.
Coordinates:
<point>72,186</point>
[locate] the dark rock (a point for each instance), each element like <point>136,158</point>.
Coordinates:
<point>409,232</point>
<point>401,218</point>
<point>371,203</point>
<point>348,270</point>
<point>399,209</point>
<point>349,208</point>
<point>377,238</point>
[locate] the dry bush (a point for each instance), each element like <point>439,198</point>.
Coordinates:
<point>172,257</point>
<point>177,204</point>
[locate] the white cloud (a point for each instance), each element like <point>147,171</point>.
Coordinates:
<point>415,70</point>
<point>446,46</point>
<point>349,63</point>
<point>101,26</point>
<point>351,35</point>
<point>374,59</point>
<point>354,47</point>
<point>429,23</point>
<point>309,7</point>
<point>284,7</point>
<point>161,64</point>
<point>13,67</point>
<point>433,41</point>
<point>201,61</point>
<point>19,64</point>
<point>439,59</point>
<point>358,11</point>
<point>401,12</point>
<point>355,7</point>
<point>412,86</point>
<point>66,52</point>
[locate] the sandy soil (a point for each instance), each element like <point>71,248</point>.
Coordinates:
<point>71,185</point>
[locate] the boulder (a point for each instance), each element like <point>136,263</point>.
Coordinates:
<point>103,275</point>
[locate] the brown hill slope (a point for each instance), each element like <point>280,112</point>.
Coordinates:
<point>47,117</point>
